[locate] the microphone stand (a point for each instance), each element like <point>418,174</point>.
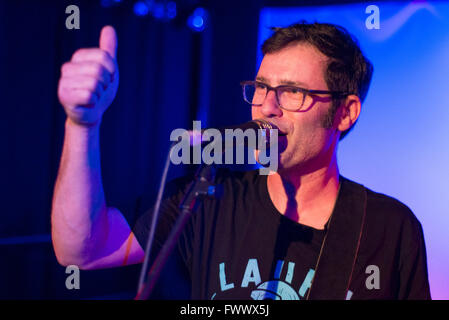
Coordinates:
<point>201,187</point>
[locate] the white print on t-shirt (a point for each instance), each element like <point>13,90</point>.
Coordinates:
<point>275,289</point>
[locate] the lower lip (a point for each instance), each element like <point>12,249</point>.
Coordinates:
<point>280,135</point>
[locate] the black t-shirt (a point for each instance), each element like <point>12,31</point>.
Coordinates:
<point>241,247</point>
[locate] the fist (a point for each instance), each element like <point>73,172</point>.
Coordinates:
<point>89,81</point>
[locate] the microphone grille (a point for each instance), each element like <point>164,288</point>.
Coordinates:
<point>263,124</point>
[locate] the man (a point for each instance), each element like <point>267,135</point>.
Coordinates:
<point>303,232</point>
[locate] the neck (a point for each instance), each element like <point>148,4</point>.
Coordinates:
<point>306,196</point>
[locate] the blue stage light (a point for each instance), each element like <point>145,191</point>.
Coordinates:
<point>141,9</point>
<point>171,11</point>
<point>158,11</point>
<point>198,20</point>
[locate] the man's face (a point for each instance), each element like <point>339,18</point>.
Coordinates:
<point>307,144</point>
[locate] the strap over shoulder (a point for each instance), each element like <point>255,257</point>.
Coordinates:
<point>336,263</point>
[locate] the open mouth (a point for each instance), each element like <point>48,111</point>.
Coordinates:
<point>269,124</point>
<point>281,134</point>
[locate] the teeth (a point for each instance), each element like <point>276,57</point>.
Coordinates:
<point>270,125</point>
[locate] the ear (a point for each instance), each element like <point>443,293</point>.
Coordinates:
<point>348,113</point>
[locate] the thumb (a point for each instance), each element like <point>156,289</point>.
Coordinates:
<point>108,40</point>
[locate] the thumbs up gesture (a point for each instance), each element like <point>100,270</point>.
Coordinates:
<point>89,81</point>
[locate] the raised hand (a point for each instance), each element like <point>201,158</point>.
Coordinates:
<point>89,81</point>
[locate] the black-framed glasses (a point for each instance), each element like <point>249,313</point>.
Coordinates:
<point>288,97</point>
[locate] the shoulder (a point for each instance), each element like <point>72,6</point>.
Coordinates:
<point>386,214</point>
<point>391,210</point>
<point>385,207</point>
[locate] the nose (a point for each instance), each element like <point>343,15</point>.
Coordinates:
<point>270,107</point>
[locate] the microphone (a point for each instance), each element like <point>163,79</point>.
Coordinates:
<point>211,145</point>
<point>260,128</point>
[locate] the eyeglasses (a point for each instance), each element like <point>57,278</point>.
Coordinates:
<point>288,97</point>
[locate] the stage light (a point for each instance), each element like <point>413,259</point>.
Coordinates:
<point>158,11</point>
<point>197,21</point>
<point>171,10</point>
<point>141,8</point>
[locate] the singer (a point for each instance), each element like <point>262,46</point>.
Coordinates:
<point>302,232</point>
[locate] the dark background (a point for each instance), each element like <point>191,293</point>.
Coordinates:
<point>169,76</point>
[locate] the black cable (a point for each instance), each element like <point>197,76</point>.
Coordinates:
<point>156,210</point>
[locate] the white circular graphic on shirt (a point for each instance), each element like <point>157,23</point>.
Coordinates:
<point>274,290</point>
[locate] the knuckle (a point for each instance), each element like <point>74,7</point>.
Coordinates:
<point>64,84</point>
<point>78,54</point>
<point>65,68</point>
<point>64,96</point>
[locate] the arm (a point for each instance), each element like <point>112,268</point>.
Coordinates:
<point>86,232</point>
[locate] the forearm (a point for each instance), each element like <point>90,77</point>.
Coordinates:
<point>79,213</point>
<point>84,231</point>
